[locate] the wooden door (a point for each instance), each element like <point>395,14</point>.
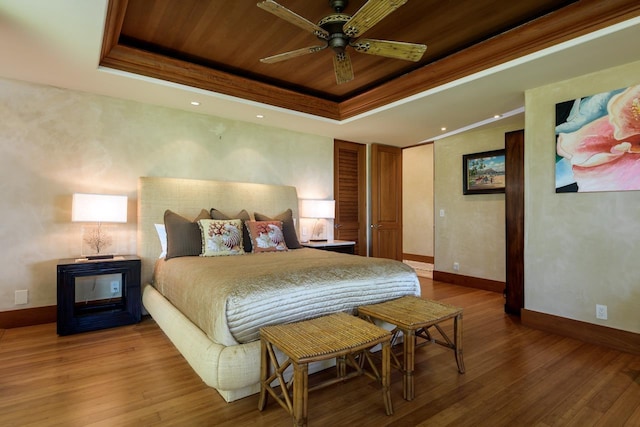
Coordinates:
<point>386,202</point>
<point>514,221</point>
<point>349,189</point>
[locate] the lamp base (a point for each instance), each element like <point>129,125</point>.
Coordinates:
<point>93,257</point>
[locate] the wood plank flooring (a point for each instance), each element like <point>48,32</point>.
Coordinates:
<point>133,376</point>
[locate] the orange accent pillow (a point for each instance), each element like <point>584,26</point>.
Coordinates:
<point>266,236</point>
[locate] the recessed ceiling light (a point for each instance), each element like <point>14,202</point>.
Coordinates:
<point>196,103</point>
<point>443,129</point>
<point>260,116</point>
<point>497,116</point>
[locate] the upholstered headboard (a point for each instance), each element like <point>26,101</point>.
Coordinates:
<point>188,197</point>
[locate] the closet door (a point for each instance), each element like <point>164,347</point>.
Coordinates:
<point>349,189</point>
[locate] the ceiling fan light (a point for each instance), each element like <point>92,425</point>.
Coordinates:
<point>338,42</point>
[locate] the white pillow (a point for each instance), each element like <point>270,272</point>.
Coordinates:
<point>162,235</point>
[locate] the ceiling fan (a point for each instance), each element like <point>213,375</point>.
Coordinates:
<point>339,30</point>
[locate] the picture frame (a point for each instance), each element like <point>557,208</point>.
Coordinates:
<point>483,173</point>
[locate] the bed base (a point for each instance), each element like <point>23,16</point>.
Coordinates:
<point>234,371</point>
<point>221,367</point>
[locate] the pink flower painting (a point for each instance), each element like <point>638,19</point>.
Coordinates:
<point>598,142</point>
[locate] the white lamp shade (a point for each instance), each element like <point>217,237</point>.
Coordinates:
<point>317,208</point>
<point>98,208</point>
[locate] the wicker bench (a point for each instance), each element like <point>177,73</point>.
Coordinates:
<point>413,317</point>
<point>339,336</point>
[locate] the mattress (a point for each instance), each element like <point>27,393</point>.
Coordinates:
<point>230,297</point>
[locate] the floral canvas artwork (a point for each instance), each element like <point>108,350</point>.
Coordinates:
<point>598,142</point>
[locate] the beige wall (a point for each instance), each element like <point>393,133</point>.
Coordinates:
<point>417,200</point>
<point>581,249</point>
<point>56,142</point>
<point>472,230</point>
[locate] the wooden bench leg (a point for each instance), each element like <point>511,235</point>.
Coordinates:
<point>341,367</point>
<point>300,393</point>
<point>409,351</point>
<point>457,339</point>
<point>264,373</point>
<point>386,377</point>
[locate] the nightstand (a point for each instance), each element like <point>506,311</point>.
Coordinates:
<point>344,246</point>
<point>98,294</point>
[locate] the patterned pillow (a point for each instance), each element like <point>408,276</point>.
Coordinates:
<point>288,227</point>
<point>244,216</point>
<point>221,237</point>
<point>266,236</point>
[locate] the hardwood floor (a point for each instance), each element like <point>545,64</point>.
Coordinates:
<point>515,376</point>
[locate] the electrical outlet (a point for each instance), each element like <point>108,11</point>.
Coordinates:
<point>22,297</point>
<point>115,287</point>
<point>601,311</point>
<point>456,266</point>
<point>442,212</point>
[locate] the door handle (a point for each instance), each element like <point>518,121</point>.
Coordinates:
<point>337,226</point>
<point>376,225</point>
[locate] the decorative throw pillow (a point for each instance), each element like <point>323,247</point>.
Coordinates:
<point>266,236</point>
<point>288,227</point>
<point>183,236</point>
<point>244,216</point>
<point>221,237</point>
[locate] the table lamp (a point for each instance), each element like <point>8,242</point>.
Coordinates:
<point>317,209</point>
<point>98,208</point>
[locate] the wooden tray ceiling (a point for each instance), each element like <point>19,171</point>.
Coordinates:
<point>216,45</point>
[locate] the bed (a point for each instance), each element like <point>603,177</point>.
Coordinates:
<point>215,326</point>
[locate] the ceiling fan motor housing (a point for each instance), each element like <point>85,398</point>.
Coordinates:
<point>333,24</point>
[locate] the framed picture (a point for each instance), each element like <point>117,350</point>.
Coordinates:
<point>483,173</point>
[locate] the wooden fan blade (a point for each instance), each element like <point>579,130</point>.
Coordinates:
<point>369,15</point>
<point>390,49</point>
<point>294,53</point>
<point>292,17</point>
<point>342,67</point>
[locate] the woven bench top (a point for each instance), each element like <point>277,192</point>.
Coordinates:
<point>324,337</point>
<point>411,312</point>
